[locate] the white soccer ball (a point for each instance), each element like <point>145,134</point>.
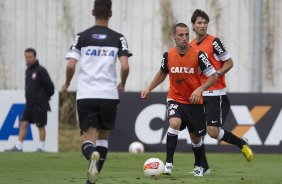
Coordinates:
<point>136,147</point>
<point>153,167</point>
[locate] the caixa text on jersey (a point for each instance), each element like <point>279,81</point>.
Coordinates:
<point>100,52</point>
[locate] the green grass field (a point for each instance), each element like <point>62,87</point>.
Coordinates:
<point>125,168</point>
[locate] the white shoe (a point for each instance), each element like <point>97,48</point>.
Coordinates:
<point>13,149</point>
<point>93,170</point>
<point>207,172</point>
<point>168,168</point>
<point>198,171</point>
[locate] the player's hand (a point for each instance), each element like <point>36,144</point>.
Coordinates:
<point>145,93</point>
<point>64,87</point>
<point>196,96</point>
<point>121,88</point>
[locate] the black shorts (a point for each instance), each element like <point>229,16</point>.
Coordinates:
<point>38,118</point>
<point>216,109</point>
<point>97,113</point>
<point>191,115</point>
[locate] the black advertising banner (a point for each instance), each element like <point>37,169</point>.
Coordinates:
<point>255,116</point>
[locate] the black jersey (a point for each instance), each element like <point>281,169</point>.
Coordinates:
<point>38,88</point>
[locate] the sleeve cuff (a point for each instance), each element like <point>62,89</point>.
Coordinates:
<point>73,54</point>
<point>209,71</point>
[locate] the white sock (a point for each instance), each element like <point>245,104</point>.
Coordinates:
<point>197,145</point>
<point>102,142</point>
<point>41,145</point>
<point>19,145</point>
<point>220,135</point>
<point>172,131</point>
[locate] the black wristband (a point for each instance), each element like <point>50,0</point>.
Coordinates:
<point>218,74</point>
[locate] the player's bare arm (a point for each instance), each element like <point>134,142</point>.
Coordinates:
<point>158,79</point>
<point>228,64</point>
<point>69,73</point>
<point>124,71</point>
<point>195,96</point>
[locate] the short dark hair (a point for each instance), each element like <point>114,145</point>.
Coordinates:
<point>102,8</point>
<point>31,50</point>
<point>178,25</point>
<point>199,13</point>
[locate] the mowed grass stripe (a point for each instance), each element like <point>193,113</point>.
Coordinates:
<point>125,168</point>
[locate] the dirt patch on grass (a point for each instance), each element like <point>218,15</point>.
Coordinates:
<point>69,138</point>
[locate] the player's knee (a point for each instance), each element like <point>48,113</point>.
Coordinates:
<point>175,123</point>
<point>195,138</point>
<point>213,132</point>
<point>23,125</point>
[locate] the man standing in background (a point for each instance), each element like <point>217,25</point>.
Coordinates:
<point>96,50</point>
<point>38,90</point>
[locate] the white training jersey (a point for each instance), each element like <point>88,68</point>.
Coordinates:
<point>96,49</point>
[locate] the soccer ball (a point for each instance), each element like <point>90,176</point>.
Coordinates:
<point>153,167</point>
<point>136,147</point>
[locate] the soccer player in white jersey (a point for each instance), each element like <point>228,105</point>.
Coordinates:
<point>96,50</point>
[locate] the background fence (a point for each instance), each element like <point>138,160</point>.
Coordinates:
<point>50,25</point>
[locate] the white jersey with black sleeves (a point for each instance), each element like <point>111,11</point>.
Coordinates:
<point>96,49</point>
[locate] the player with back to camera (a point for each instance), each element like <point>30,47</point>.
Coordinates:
<point>182,64</point>
<point>216,102</point>
<point>96,50</point>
